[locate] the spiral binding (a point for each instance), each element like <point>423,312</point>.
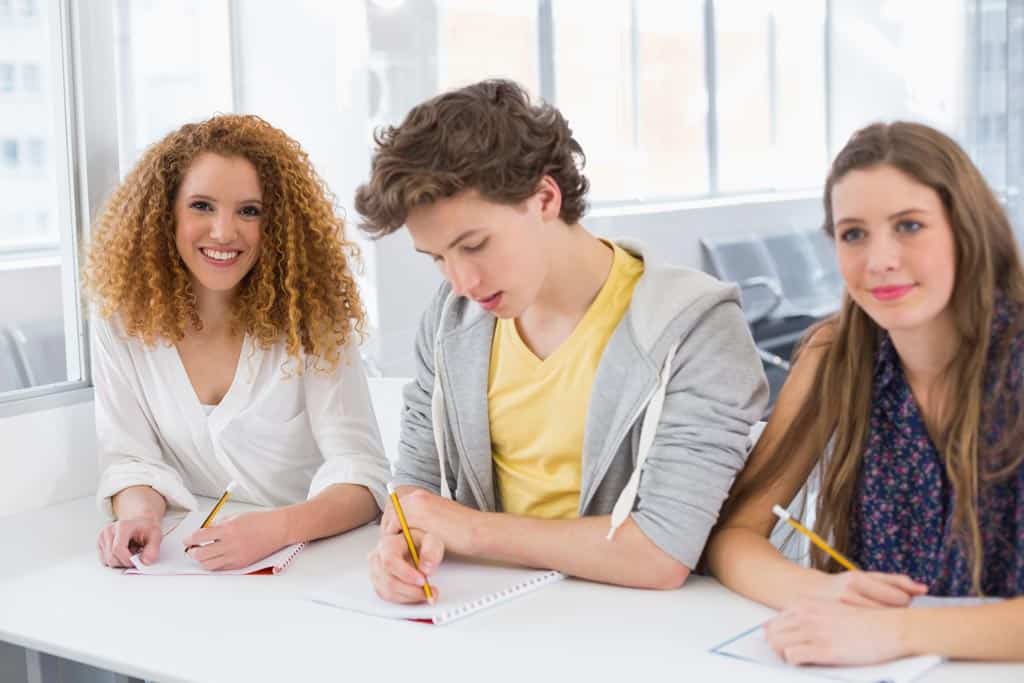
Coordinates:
<point>284,565</point>
<point>501,596</point>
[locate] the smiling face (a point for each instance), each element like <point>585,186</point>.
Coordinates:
<point>895,247</point>
<point>495,254</point>
<point>218,215</point>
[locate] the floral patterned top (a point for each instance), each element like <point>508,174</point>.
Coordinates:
<point>901,520</point>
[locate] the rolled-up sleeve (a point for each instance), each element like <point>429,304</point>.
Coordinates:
<point>128,450</point>
<point>345,429</point>
<point>716,392</point>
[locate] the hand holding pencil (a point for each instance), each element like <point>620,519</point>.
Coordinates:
<point>404,558</point>
<point>856,587</point>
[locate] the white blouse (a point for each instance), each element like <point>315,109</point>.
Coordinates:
<point>282,437</point>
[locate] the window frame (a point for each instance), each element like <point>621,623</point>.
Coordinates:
<point>86,168</point>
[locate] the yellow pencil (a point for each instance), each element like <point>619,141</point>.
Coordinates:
<point>408,539</point>
<point>817,540</point>
<point>216,508</point>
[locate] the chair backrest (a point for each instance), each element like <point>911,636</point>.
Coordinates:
<point>41,348</point>
<point>12,374</point>
<point>738,258</point>
<point>799,268</point>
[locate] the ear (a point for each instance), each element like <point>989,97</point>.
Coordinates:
<point>550,197</point>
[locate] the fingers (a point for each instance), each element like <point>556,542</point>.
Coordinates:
<point>392,573</point>
<point>884,590</point>
<point>804,653</point>
<point>203,536</point>
<point>119,551</point>
<point>431,553</point>
<point>389,521</point>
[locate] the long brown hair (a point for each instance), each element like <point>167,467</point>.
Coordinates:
<point>837,407</point>
<point>301,289</point>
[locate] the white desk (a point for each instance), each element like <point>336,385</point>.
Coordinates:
<point>55,597</point>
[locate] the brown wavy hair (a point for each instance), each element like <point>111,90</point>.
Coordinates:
<point>837,407</point>
<point>300,290</point>
<point>488,137</point>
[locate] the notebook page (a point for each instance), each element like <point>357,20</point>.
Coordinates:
<point>463,587</point>
<point>173,560</point>
<point>752,646</point>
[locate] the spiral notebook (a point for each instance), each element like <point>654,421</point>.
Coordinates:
<point>464,588</point>
<point>174,561</point>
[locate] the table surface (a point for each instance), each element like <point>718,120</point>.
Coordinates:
<point>56,597</point>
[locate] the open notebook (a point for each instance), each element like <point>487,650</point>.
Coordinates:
<point>463,588</point>
<point>751,646</point>
<point>173,560</point>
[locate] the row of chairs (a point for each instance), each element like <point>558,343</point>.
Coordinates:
<point>787,280</point>
<point>32,354</point>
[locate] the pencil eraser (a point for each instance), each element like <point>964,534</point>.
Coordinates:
<point>391,488</point>
<point>780,512</point>
<point>232,485</point>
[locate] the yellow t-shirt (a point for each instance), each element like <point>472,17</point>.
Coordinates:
<point>538,408</point>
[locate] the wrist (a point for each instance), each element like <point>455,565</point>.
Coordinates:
<point>903,631</point>
<point>284,525</point>
<point>478,533</point>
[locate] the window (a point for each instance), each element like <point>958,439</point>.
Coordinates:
<point>40,328</point>
<point>9,154</point>
<point>6,78</point>
<point>174,66</point>
<point>30,78</point>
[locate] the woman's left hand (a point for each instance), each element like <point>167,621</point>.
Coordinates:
<point>238,541</point>
<point>829,632</point>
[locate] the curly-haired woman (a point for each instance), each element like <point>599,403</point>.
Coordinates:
<point>224,348</point>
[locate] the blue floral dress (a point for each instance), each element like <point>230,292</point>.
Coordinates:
<point>901,519</point>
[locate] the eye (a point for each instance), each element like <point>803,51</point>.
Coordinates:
<point>852,235</point>
<point>201,205</point>
<point>908,226</point>
<point>471,248</point>
<point>251,211</point>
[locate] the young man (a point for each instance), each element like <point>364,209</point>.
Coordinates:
<point>575,407</point>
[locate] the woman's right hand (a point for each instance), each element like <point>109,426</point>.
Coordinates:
<point>120,540</point>
<point>870,589</point>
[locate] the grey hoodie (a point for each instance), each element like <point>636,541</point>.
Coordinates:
<point>682,353</point>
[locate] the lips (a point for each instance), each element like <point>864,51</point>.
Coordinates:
<point>891,292</point>
<point>220,258</point>
<point>491,302</point>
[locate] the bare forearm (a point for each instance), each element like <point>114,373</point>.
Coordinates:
<point>334,510</point>
<point>139,502</point>
<point>578,547</point>
<point>747,562</point>
<point>990,632</point>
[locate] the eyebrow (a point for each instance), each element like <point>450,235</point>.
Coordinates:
<point>898,214</point>
<point>253,200</point>
<point>454,242</point>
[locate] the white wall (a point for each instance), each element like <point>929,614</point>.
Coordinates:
<point>47,457</point>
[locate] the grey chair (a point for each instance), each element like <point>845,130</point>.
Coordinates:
<point>805,288</point>
<point>40,348</point>
<point>12,372</point>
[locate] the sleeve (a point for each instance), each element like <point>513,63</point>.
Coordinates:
<point>417,454</point>
<point>128,449</point>
<point>345,428</point>
<point>716,392</point>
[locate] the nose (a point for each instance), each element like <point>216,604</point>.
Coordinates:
<point>883,252</point>
<point>463,277</point>
<point>222,228</point>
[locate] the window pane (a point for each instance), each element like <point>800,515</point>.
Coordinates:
<point>594,90</point>
<point>38,306</point>
<point>486,39</point>
<point>771,94</point>
<point>672,106</point>
<point>174,64</point>
<point>888,64</point>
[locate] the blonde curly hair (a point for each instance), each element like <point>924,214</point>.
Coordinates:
<point>300,290</point>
